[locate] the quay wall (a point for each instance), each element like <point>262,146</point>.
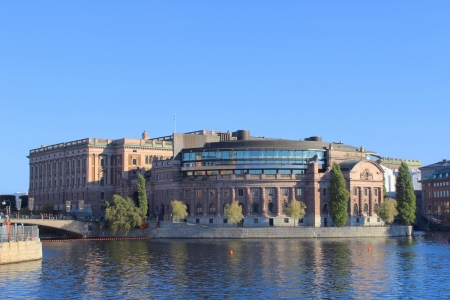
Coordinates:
<point>198,231</point>
<point>14,252</point>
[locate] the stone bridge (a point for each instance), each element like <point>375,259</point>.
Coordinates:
<point>77,228</point>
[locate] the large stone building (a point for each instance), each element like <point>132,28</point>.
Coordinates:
<point>84,173</point>
<point>207,170</point>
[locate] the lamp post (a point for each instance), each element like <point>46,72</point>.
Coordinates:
<point>8,211</point>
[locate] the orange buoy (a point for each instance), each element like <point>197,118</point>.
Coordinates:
<point>231,252</point>
<point>368,249</point>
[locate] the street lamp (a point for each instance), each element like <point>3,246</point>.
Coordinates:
<point>8,211</point>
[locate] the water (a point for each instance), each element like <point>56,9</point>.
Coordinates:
<point>278,268</point>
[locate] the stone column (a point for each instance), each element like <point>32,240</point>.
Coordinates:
<point>95,161</point>
<point>277,201</point>
<point>248,201</point>
<point>263,201</point>
<point>233,193</point>
<point>360,208</point>
<point>218,201</point>
<point>292,194</point>
<point>204,201</point>
<point>192,200</point>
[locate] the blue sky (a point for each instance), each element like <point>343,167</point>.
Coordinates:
<point>371,73</point>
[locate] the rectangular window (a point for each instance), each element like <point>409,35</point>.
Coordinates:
<point>211,221</point>
<point>225,221</point>
<point>199,192</point>
<point>186,193</point>
<point>376,192</point>
<point>255,192</point>
<point>355,191</point>
<point>167,176</point>
<point>157,177</point>
<point>212,192</point>
<point>298,191</point>
<point>366,191</point>
<point>134,161</point>
<point>226,192</point>
<point>102,195</point>
<point>324,191</point>
<point>255,220</point>
<point>270,192</point>
<point>286,220</point>
<point>240,192</point>
<point>285,192</point>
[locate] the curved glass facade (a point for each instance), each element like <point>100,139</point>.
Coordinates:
<point>247,157</point>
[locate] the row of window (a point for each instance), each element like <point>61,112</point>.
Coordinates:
<point>71,163</point>
<point>241,172</point>
<point>248,162</point>
<point>438,194</point>
<point>435,184</point>
<point>252,154</point>
<point>365,191</point>
<point>42,184</point>
<point>255,208</point>
<point>167,177</point>
<point>255,192</point>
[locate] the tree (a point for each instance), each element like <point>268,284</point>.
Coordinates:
<point>339,196</point>
<point>178,210</point>
<point>122,214</point>
<point>387,210</point>
<point>385,194</point>
<point>295,209</point>
<point>142,195</point>
<point>233,212</point>
<point>406,200</point>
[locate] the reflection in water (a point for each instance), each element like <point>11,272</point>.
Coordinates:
<point>271,268</point>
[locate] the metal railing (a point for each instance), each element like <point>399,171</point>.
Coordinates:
<point>17,233</point>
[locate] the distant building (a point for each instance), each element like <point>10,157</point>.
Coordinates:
<point>435,188</point>
<point>207,170</point>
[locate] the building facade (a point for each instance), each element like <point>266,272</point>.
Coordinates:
<point>80,175</point>
<point>207,170</point>
<point>435,189</point>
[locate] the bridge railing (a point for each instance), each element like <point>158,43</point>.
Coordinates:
<point>18,233</point>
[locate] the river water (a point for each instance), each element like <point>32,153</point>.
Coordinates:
<point>407,267</point>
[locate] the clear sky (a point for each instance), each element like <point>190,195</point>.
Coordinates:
<point>371,73</point>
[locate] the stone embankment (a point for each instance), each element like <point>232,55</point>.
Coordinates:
<point>14,252</point>
<point>184,230</point>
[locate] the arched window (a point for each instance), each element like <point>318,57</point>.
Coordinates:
<point>188,209</point>
<point>325,208</point>
<point>255,208</point>
<point>355,209</point>
<point>375,207</point>
<point>271,207</point>
<point>199,209</point>
<point>212,209</point>
<point>366,207</point>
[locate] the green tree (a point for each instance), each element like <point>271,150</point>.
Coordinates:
<point>406,200</point>
<point>178,210</point>
<point>385,195</point>
<point>295,209</point>
<point>339,196</point>
<point>122,214</point>
<point>233,212</point>
<point>387,210</point>
<point>142,196</point>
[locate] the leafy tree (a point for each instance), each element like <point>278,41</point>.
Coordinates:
<point>178,210</point>
<point>406,200</point>
<point>387,210</point>
<point>122,214</point>
<point>385,195</point>
<point>142,195</point>
<point>339,196</point>
<point>233,212</point>
<point>295,209</point>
